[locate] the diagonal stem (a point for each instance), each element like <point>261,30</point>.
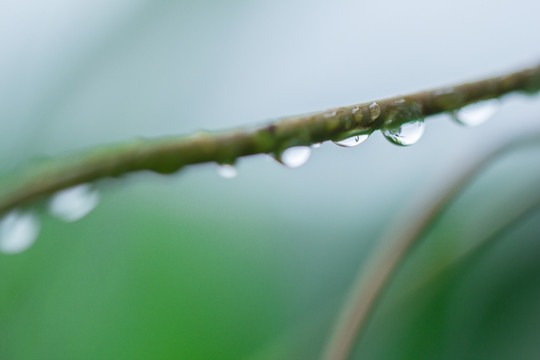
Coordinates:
<point>373,280</point>
<point>171,154</point>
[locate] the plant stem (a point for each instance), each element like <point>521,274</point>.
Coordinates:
<point>478,250</point>
<point>372,280</point>
<point>169,155</point>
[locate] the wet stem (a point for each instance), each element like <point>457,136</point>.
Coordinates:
<point>168,155</point>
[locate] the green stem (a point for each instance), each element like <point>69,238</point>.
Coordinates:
<point>171,154</point>
<point>372,280</point>
<point>470,256</point>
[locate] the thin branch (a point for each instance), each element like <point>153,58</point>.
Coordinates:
<point>373,280</point>
<point>171,154</point>
<point>470,255</point>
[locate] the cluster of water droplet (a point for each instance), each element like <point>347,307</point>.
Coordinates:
<point>19,229</point>
<point>404,126</point>
<point>296,156</point>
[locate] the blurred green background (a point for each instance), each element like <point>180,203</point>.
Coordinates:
<point>193,266</point>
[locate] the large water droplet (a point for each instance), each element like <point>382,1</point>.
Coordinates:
<point>227,171</point>
<point>74,203</point>
<point>352,141</point>
<point>476,113</point>
<point>407,134</point>
<point>295,156</point>
<point>18,231</point>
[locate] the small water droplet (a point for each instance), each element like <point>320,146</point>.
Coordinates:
<point>352,141</point>
<point>476,113</point>
<point>407,134</point>
<point>18,231</point>
<point>330,114</point>
<point>355,109</point>
<point>74,203</point>
<point>227,171</point>
<point>374,111</point>
<point>295,156</point>
<point>316,145</point>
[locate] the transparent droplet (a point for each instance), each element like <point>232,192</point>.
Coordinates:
<point>295,156</point>
<point>407,134</point>
<point>316,145</point>
<point>352,141</point>
<point>74,203</point>
<point>227,171</point>
<point>477,113</point>
<point>18,231</point>
<point>374,111</point>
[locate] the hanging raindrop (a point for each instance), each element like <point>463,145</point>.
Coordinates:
<point>404,124</point>
<point>295,156</point>
<point>476,113</point>
<point>18,231</point>
<point>352,141</point>
<point>227,171</point>
<point>74,203</point>
<point>405,135</point>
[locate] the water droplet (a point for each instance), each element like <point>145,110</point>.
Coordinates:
<point>407,134</point>
<point>295,156</point>
<point>355,109</point>
<point>74,203</point>
<point>316,145</point>
<point>374,111</point>
<point>18,231</point>
<point>352,141</point>
<point>476,113</point>
<point>330,114</point>
<point>227,171</point>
